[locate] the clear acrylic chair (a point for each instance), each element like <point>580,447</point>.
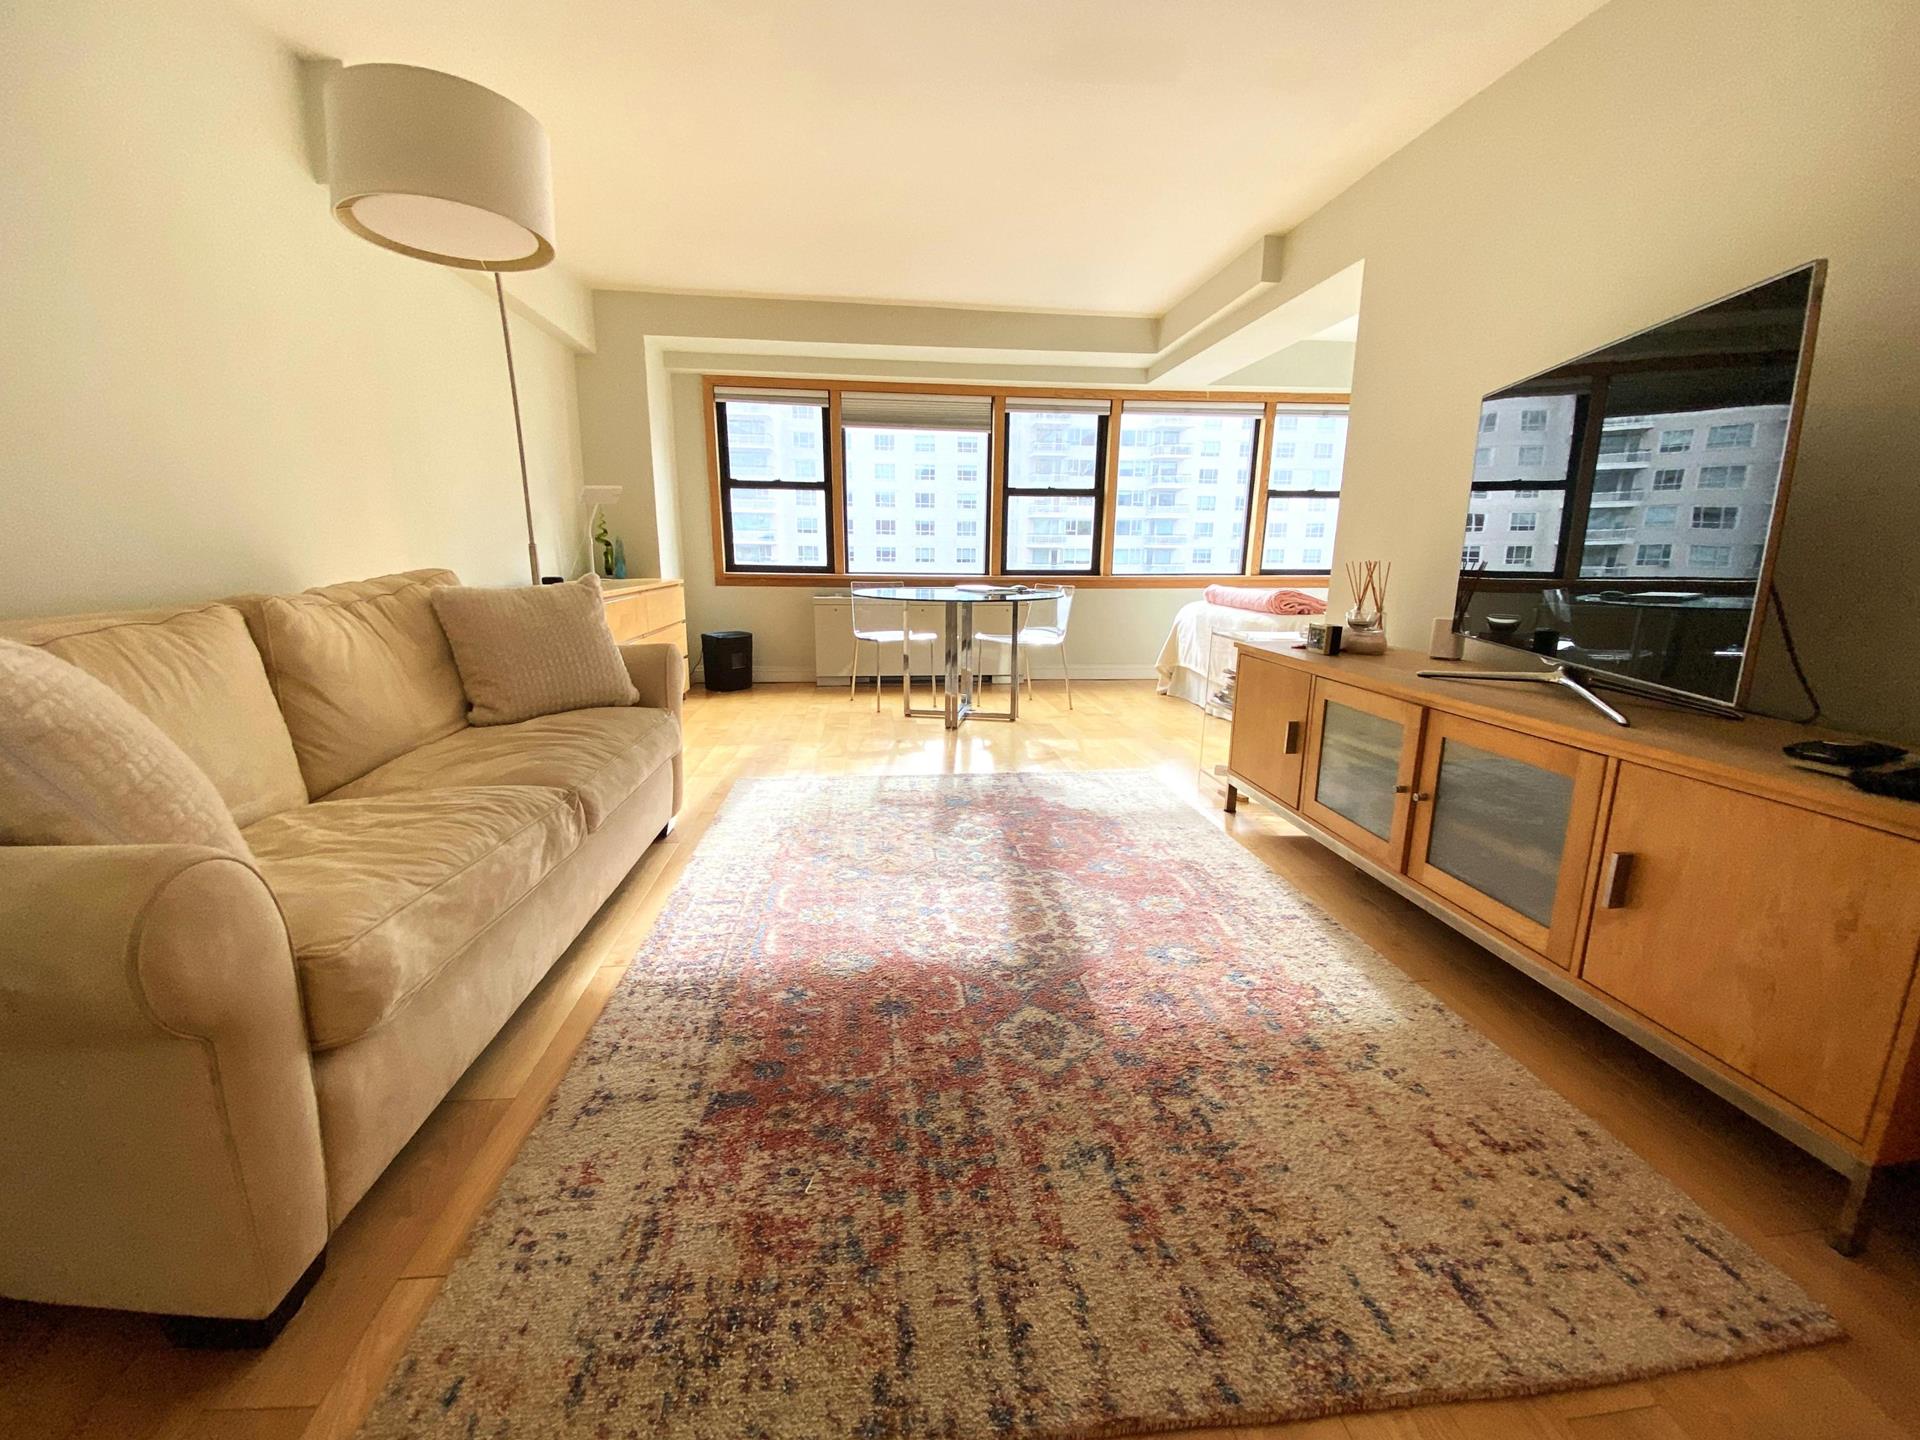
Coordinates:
<point>1044,637</point>
<point>881,623</point>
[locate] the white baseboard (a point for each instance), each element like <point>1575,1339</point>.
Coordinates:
<point>794,675</point>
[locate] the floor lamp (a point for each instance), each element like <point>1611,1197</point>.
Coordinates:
<point>444,170</point>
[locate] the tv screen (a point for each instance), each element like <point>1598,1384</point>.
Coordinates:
<point>1625,506</point>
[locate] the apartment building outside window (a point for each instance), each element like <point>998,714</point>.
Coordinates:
<point>1164,442</point>
<point>1172,481</point>
<point>1293,494</point>
<point>1056,453</point>
<point>772,454</point>
<point>946,434</point>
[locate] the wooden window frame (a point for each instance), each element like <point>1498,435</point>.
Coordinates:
<point>995,507</point>
<point>724,486</point>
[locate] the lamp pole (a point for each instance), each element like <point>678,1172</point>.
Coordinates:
<point>519,435</point>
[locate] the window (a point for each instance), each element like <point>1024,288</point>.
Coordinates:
<point>1716,517</point>
<point>1730,437</point>
<point>1483,457</point>
<point>1209,447</point>
<point>1672,442</point>
<point>1056,451</point>
<point>771,468</point>
<point>1520,555</point>
<point>1203,529</point>
<point>1523,520</point>
<point>883,471</point>
<point>1469,555</point>
<point>1476,522</point>
<point>1533,454</point>
<point>1653,557</point>
<point>967,445</point>
<point>1722,477</point>
<point>1709,557</point>
<point>1295,494</point>
<point>1283,450</point>
<point>966,557</point>
<point>1668,479</point>
<point>885,527</point>
<point>1533,419</point>
<point>1489,421</point>
<point>1662,517</point>
<point>1209,474</point>
<point>934,428</point>
<point>967,529</point>
<point>1167,438</point>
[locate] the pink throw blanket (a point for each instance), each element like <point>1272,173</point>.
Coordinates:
<point>1265,602</point>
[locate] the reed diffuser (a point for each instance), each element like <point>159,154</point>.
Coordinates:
<point>1367,616</point>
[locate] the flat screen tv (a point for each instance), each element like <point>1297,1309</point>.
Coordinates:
<point>1626,506</point>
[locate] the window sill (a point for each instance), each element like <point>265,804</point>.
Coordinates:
<point>1079,582</point>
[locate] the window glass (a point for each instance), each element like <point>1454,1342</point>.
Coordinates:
<point>1166,446</point>
<point>1053,472</point>
<point>1289,547</point>
<point>773,492</point>
<point>948,481</point>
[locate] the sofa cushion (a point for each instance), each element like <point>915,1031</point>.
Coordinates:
<point>80,766</point>
<point>194,672</point>
<point>380,893</point>
<point>362,671</point>
<point>533,649</point>
<point>599,756</point>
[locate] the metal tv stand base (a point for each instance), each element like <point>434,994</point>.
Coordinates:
<point>1553,675</point>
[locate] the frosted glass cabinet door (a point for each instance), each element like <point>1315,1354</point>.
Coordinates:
<point>1361,750</point>
<point>1503,827</point>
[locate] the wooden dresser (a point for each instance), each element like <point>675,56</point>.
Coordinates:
<point>1754,924</point>
<point>650,610</point>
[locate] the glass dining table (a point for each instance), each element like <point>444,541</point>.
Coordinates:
<point>962,672</point>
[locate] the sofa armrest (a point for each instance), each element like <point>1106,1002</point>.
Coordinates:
<point>654,669</point>
<point>156,1089</point>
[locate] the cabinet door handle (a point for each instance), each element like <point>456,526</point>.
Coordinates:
<point>1403,789</point>
<point>1420,797</point>
<point>1291,745</point>
<point>1613,881</point>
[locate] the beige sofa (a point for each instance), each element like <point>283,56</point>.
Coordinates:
<point>205,1063</point>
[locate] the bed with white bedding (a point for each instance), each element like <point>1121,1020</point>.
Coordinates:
<point>1182,666</point>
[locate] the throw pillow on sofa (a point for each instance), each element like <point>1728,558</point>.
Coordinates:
<point>532,650</point>
<point>81,766</point>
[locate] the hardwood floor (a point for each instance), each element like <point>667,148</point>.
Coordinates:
<point>66,1374</point>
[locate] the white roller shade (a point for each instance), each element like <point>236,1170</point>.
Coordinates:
<point>1196,407</point>
<point>905,411</point>
<point>755,395</point>
<point>1059,407</point>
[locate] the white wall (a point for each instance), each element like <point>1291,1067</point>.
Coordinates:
<point>210,385</point>
<point>1656,156</point>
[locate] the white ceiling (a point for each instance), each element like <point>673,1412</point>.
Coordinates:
<point>1094,155</point>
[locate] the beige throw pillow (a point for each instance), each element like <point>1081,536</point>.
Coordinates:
<point>533,650</point>
<point>81,766</point>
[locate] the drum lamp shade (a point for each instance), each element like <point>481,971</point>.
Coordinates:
<point>438,168</point>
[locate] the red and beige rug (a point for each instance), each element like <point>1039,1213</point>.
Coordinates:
<point>1032,1106</point>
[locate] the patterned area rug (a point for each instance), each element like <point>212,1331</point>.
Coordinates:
<point>1032,1106</point>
